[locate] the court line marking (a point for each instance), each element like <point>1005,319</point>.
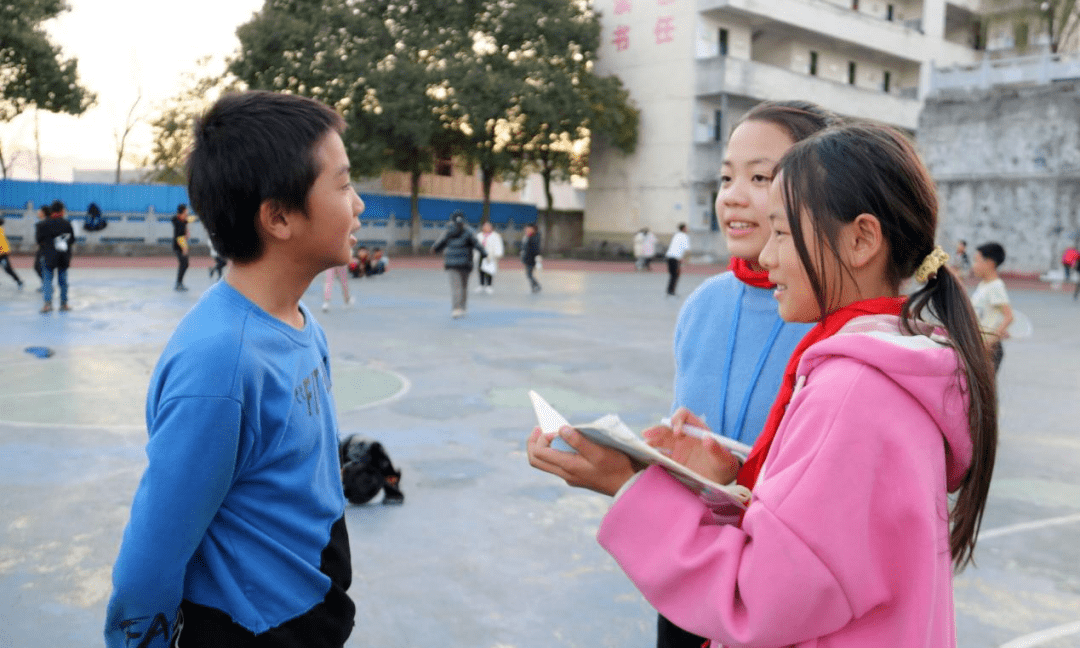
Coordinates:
<point>406,386</point>
<point>1043,636</point>
<point>1029,526</point>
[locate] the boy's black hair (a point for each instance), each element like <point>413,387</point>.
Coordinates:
<point>180,208</point>
<point>992,251</point>
<point>251,147</point>
<point>56,206</point>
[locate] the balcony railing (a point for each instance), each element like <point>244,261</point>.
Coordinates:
<point>1025,70</point>
<point>901,39</point>
<point>728,75</point>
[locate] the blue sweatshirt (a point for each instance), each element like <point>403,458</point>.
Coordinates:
<point>240,511</point>
<point>730,378</point>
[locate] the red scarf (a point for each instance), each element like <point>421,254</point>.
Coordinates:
<point>825,328</point>
<point>756,278</point>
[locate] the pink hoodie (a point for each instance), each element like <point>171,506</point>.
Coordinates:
<point>846,540</point>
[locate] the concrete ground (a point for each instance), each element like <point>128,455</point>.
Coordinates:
<point>486,552</point>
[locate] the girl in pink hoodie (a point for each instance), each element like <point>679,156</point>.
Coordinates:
<point>849,539</point>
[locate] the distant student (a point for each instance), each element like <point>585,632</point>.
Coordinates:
<point>42,214</point>
<point>530,255</point>
<point>56,238</point>
<point>237,531</point>
<point>5,249</point>
<point>677,248</point>
<point>219,262</point>
<point>1070,260</point>
<point>991,300</point>
<point>851,537</point>
<point>379,262</point>
<point>341,274</point>
<point>360,264</point>
<point>962,263</point>
<point>493,244</point>
<point>180,243</point>
<point>458,243</point>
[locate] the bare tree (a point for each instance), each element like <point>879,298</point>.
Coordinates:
<point>120,136</point>
<point>8,159</point>
<point>37,142</point>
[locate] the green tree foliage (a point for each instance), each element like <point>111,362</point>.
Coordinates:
<point>32,74</point>
<point>381,64</point>
<point>505,85</point>
<point>173,127</point>
<point>567,109</point>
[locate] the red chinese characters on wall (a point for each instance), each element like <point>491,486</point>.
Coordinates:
<point>664,30</point>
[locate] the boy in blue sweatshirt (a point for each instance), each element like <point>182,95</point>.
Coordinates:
<point>237,532</point>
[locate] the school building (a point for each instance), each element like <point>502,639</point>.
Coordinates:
<point>694,67</point>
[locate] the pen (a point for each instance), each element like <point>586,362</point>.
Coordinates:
<point>738,449</point>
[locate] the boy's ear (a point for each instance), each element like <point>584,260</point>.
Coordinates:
<point>866,239</point>
<point>274,220</point>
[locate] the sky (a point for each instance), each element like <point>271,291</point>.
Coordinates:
<point>123,47</point>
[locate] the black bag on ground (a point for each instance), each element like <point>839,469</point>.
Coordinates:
<point>366,469</point>
<point>94,220</point>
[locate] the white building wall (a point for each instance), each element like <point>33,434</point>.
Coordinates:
<point>650,45</point>
<point>667,53</point>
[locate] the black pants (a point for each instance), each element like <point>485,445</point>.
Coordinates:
<point>669,635</point>
<point>4,261</point>
<point>673,268</point>
<point>485,278</point>
<point>219,266</point>
<point>182,259</point>
<point>529,269</point>
<point>997,353</point>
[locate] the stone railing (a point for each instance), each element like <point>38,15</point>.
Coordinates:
<point>1025,70</point>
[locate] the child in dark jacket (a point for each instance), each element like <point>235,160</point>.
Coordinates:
<point>457,245</point>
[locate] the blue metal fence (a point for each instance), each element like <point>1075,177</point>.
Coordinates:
<point>139,215</point>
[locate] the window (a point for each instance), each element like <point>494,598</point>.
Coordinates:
<point>813,63</point>
<point>854,5</point>
<point>723,41</point>
<point>886,80</point>
<point>851,72</point>
<point>718,126</point>
<point>714,221</point>
<point>444,167</point>
<point>889,12</point>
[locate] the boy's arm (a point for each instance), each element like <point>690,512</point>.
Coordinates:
<point>1007,318</point>
<point>999,298</point>
<point>192,458</point>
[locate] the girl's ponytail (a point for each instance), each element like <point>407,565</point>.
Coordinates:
<point>945,300</point>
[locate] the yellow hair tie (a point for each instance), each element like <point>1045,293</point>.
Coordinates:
<point>931,264</point>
